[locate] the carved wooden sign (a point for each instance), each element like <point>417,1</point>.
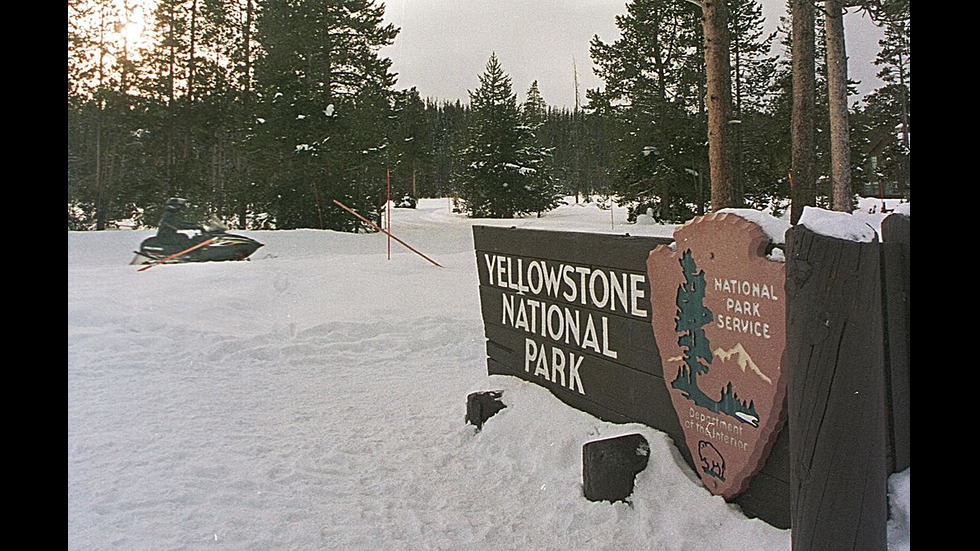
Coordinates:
<point>571,312</point>
<point>719,318</point>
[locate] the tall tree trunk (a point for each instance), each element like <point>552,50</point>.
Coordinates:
<point>171,105</point>
<point>719,77</point>
<point>247,49</point>
<point>803,178</point>
<point>840,134</point>
<point>100,200</point>
<point>100,206</point>
<point>415,188</point>
<point>192,56</point>
<point>218,173</point>
<point>243,192</point>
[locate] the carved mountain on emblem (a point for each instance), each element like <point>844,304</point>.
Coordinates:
<point>742,358</point>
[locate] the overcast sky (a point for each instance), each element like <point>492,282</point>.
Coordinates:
<point>444,45</point>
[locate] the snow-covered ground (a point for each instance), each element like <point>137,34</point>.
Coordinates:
<point>314,399</point>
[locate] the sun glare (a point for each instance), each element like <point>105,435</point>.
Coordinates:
<point>116,22</point>
<point>132,33</point>
<point>101,34</point>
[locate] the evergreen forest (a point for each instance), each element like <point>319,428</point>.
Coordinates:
<point>263,112</point>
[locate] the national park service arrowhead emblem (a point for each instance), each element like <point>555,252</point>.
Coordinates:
<point>719,319</point>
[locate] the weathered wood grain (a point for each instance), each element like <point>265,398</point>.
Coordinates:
<point>631,387</point>
<point>896,286</point>
<point>836,398</point>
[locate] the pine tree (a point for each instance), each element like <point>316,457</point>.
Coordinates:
<point>654,100</point>
<point>753,65</point>
<point>886,113</point>
<point>322,120</point>
<point>411,154</point>
<point>534,107</point>
<point>103,158</point>
<point>817,154</point>
<point>228,105</point>
<point>447,124</point>
<point>758,169</point>
<point>692,316</point>
<point>504,173</point>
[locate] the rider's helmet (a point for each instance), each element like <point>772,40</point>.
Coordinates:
<point>175,204</point>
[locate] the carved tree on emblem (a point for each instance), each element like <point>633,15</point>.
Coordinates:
<point>692,316</point>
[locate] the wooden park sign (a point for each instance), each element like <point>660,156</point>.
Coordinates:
<point>573,312</point>
<point>719,321</point>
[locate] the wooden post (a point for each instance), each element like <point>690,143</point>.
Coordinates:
<point>836,397</point>
<point>896,286</point>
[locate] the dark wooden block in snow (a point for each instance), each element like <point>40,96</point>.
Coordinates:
<point>610,466</point>
<point>481,406</point>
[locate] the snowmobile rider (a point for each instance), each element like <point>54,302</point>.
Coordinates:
<point>173,221</point>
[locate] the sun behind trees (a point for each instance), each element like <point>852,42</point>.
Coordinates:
<point>263,111</point>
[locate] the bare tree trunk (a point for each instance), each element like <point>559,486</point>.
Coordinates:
<point>100,183</point>
<point>415,173</point>
<point>100,206</point>
<point>840,133</point>
<point>803,176</point>
<point>192,62</point>
<point>218,173</point>
<point>243,166</point>
<point>171,105</point>
<point>719,77</point>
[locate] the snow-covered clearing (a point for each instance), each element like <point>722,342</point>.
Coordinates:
<point>314,397</point>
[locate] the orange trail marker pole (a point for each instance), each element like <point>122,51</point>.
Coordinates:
<point>375,226</point>
<point>175,255</point>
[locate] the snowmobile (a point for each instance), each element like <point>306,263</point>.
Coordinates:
<point>220,246</point>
